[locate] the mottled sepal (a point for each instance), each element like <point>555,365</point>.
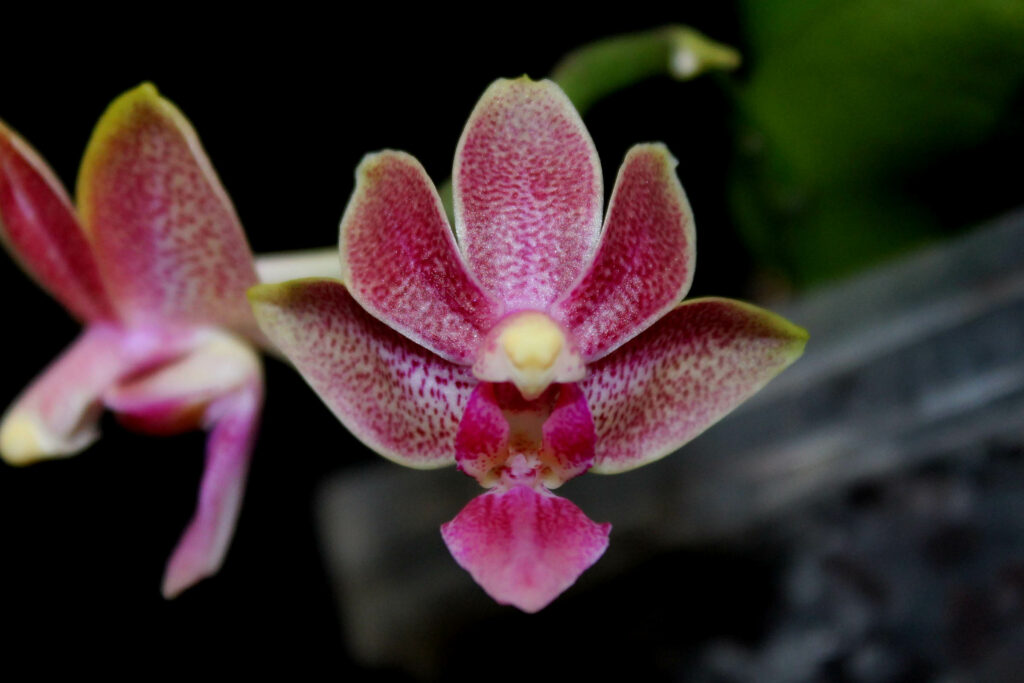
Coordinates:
<point>38,226</point>
<point>681,376</point>
<point>524,545</point>
<point>528,193</point>
<point>396,396</point>
<point>164,232</point>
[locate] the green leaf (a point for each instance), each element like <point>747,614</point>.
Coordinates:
<point>599,69</point>
<point>850,104</point>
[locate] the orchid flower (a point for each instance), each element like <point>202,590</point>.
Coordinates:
<point>532,344</point>
<point>155,264</point>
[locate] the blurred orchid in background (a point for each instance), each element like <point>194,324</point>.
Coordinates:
<point>531,346</point>
<point>155,264</point>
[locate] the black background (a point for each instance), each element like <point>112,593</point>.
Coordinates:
<point>285,106</point>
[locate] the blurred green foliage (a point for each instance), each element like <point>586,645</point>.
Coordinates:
<point>593,72</point>
<point>871,126</point>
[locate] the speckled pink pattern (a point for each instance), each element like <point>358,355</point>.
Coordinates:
<point>400,261</point>
<point>38,224</point>
<point>524,546</point>
<point>165,234</point>
<point>681,376</point>
<point>528,193</point>
<point>644,264</point>
<point>397,397</point>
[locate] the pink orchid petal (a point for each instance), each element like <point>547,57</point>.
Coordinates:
<point>399,259</point>
<point>528,193</point>
<point>174,397</point>
<point>38,226</point>
<point>400,399</point>
<point>233,421</point>
<point>524,546</point>
<point>56,416</point>
<point>681,376</point>
<point>165,234</point>
<point>645,261</point>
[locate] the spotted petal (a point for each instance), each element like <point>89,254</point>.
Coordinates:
<point>38,226</point>
<point>57,414</point>
<point>528,193</point>
<point>681,376</point>
<point>166,236</point>
<point>524,545</point>
<point>644,264</point>
<point>399,260</point>
<point>397,397</point>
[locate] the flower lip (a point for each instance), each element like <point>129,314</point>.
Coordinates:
<point>531,350</point>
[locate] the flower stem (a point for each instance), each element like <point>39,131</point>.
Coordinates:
<point>292,265</point>
<point>599,69</point>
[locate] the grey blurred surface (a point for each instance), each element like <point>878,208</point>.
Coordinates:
<point>917,577</point>
<point>915,363</point>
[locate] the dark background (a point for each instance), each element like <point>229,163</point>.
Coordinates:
<point>287,102</point>
<point>285,107</point>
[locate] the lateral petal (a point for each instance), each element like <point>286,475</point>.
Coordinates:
<point>397,397</point>
<point>644,264</point>
<point>524,545</point>
<point>681,376</point>
<point>165,234</point>
<point>399,260</point>
<point>527,193</point>
<point>39,228</point>
<point>56,416</point>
